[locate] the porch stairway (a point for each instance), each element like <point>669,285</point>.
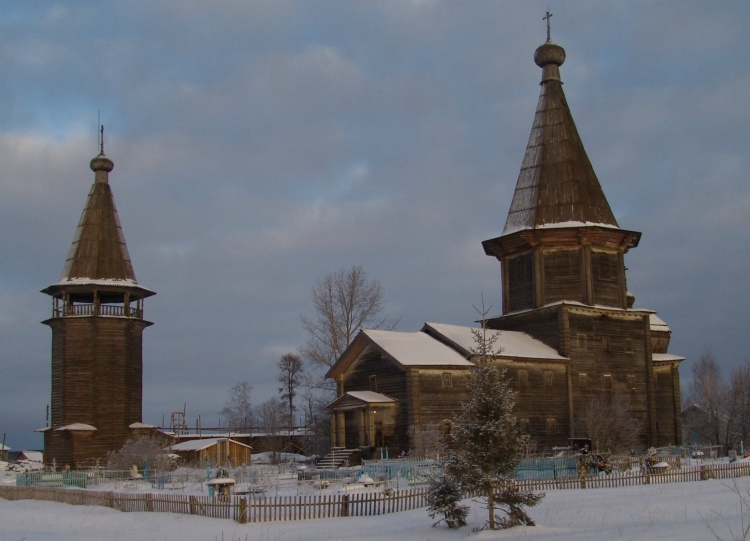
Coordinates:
<point>337,457</point>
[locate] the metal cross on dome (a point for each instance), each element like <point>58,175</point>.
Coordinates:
<point>547,18</point>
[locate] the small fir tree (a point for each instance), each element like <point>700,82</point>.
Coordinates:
<point>489,447</point>
<point>487,440</point>
<point>444,500</point>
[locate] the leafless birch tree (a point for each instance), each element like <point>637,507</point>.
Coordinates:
<point>344,301</point>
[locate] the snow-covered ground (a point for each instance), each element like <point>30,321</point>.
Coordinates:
<point>680,511</point>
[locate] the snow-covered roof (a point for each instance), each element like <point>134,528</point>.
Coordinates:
<point>221,481</point>
<point>666,357</point>
<point>658,324</point>
<point>370,396</point>
<point>415,349</point>
<point>34,456</point>
<point>78,427</point>
<point>513,227</point>
<point>4,447</point>
<point>100,282</point>
<point>141,425</point>
<point>508,343</point>
<point>199,445</point>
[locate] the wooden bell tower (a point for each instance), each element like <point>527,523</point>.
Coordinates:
<point>97,325</point>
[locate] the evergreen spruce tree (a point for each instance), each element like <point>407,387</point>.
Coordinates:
<point>488,443</point>
<point>444,500</point>
<point>489,447</point>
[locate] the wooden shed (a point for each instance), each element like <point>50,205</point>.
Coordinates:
<point>214,451</point>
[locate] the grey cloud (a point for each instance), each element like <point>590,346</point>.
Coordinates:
<point>260,145</point>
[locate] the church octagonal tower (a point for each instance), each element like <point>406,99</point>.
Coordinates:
<point>97,325</point>
<point>563,282</point>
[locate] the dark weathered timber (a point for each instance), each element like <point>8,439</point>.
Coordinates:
<point>563,276</point>
<point>97,326</point>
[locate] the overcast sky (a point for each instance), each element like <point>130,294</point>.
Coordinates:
<point>259,146</point>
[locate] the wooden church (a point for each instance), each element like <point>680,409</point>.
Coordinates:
<point>97,325</point>
<point>568,334</point>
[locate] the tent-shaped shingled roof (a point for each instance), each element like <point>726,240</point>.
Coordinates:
<point>98,250</point>
<point>557,186</point>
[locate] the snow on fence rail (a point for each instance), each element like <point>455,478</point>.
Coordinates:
<point>245,509</point>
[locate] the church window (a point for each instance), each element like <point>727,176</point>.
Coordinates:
<point>447,427</point>
<point>524,426</point>
<point>548,379</point>
<point>631,382</point>
<point>447,379</point>
<point>551,426</point>
<point>582,380</point>
<point>581,341</point>
<point>607,382</point>
<point>605,266</point>
<point>374,383</point>
<point>523,379</point>
<point>519,269</point>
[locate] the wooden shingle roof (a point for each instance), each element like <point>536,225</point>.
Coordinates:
<point>557,186</point>
<point>98,251</point>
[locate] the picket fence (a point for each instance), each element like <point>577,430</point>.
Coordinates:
<point>242,509</point>
<point>248,509</point>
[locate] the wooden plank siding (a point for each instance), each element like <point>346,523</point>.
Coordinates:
<point>97,370</point>
<point>541,408</point>
<point>439,394</point>
<point>607,274</point>
<point>375,372</point>
<point>519,275</point>
<point>562,276</point>
<point>667,400</point>
<point>611,349</point>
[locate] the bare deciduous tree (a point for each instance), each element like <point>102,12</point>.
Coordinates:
<point>142,452</point>
<point>290,377</point>
<point>608,421</point>
<point>738,407</point>
<point>345,301</point>
<point>271,415</point>
<point>426,441</point>
<point>707,392</point>
<point>238,411</point>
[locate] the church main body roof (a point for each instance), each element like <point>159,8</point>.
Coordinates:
<point>441,345</point>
